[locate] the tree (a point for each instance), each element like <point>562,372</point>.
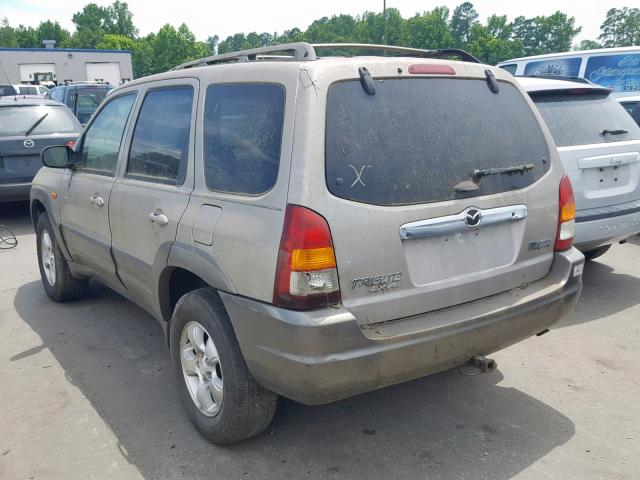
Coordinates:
<point>588,45</point>
<point>213,42</point>
<point>494,41</point>
<point>430,30</point>
<point>370,28</point>
<point>27,37</point>
<point>621,28</point>
<point>7,35</point>
<point>52,31</point>
<point>540,35</point>
<point>462,21</point>
<point>119,20</point>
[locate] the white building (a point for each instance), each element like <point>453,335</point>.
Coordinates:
<point>60,65</point>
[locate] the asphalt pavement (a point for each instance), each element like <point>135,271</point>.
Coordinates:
<point>87,392</point>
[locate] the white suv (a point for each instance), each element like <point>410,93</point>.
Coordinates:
<point>599,145</point>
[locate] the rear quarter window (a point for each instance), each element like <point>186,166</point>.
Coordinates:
<point>242,137</point>
<point>585,118</point>
<point>416,139</point>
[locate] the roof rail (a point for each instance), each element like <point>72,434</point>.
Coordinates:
<point>304,52</point>
<point>299,52</point>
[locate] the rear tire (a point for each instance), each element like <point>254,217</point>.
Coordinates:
<point>59,283</point>
<point>596,252</point>
<point>222,399</point>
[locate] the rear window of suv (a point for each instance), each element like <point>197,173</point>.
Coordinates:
<point>584,119</point>
<point>416,139</point>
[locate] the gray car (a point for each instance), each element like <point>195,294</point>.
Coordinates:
<point>315,227</point>
<point>26,127</point>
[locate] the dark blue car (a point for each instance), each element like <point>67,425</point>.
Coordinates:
<point>26,127</point>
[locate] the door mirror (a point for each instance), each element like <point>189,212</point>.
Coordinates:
<point>56,156</point>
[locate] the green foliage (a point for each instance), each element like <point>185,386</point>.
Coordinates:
<point>463,20</point>
<point>540,35</point>
<point>621,28</point>
<point>588,45</point>
<point>112,27</point>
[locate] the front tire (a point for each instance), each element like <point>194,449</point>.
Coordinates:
<point>59,283</point>
<point>222,399</point>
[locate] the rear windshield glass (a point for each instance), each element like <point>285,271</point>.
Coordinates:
<point>16,120</point>
<point>585,119</point>
<point>416,139</point>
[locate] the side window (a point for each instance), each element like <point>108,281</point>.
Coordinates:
<point>511,68</point>
<point>242,137</point>
<point>160,144</point>
<point>101,142</point>
<point>56,95</point>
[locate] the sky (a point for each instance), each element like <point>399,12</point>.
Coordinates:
<point>226,17</point>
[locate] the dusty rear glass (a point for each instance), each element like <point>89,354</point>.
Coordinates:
<point>416,139</point>
<point>585,119</point>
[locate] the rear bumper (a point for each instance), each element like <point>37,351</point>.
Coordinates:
<point>322,356</point>
<point>598,229</point>
<point>12,192</point>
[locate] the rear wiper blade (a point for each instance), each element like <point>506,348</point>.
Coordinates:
<point>35,125</point>
<point>477,174</point>
<point>619,131</point>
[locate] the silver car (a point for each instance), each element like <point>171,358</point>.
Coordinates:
<point>599,144</point>
<point>315,227</point>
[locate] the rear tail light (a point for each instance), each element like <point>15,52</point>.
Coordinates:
<point>71,144</point>
<point>306,275</point>
<point>566,216</point>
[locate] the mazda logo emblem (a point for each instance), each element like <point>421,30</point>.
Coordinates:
<point>28,143</point>
<point>472,217</point>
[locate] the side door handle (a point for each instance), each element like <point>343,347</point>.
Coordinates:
<point>96,200</point>
<point>159,218</point>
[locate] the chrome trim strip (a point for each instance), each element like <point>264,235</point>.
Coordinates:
<point>441,226</point>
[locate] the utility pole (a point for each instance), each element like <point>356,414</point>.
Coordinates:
<point>385,38</point>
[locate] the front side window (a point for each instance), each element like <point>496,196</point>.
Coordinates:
<point>160,144</point>
<point>242,137</point>
<point>35,120</point>
<point>583,119</point>
<point>28,90</point>
<point>101,143</point>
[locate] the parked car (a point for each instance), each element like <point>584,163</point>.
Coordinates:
<point>27,89</point>
<point>314,227</point>
<point>83,98</point>
<point>7,90</point>
<point>632,105</point>
<point>614,68</point>
<point>26,127</point>
<point>599,145</point>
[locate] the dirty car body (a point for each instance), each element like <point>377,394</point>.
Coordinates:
<point>320,200</point>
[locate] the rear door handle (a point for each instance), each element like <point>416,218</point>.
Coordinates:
<point>96,200</point>
<point>159,218</point>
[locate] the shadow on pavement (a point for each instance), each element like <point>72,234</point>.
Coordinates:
<point>444,426</point>
<point>15,215</point>
<point>596,302</point>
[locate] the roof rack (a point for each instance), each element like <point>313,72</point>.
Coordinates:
<point>568,78</point>
<point>305,52</point>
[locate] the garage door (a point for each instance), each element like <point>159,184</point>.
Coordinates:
<point>104,72</point>
<point>44,71</point>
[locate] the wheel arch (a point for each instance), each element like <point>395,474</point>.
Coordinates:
<point>187,269</point>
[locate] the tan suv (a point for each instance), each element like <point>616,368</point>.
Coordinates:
<point>314,227</point>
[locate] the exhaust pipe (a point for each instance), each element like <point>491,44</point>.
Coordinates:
<point>477,365</point>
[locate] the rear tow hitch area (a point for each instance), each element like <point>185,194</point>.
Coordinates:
<point>477,365</point>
